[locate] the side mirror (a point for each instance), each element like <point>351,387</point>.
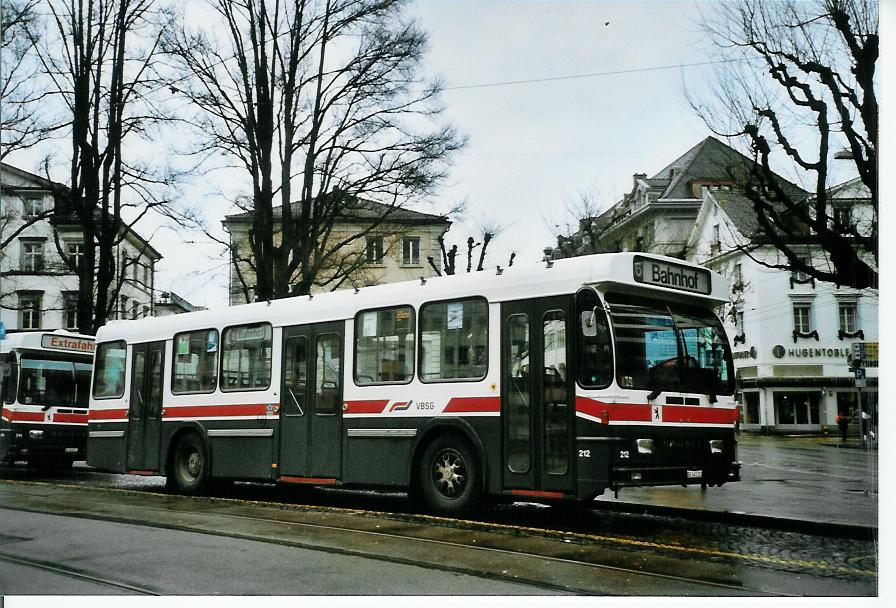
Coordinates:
<point>589,322</point>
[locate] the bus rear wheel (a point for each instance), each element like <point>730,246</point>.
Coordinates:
<point>449,479</point>
<point>189,467</point>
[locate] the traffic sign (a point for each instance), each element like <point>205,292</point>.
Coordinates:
<point>860,378</point>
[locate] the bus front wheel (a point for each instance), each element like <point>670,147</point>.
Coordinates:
<point>189,467</point>
<point>449,476</point>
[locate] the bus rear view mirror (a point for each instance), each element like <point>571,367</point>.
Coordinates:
<point>589,322</point>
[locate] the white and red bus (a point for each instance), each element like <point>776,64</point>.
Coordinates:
<point>541,382</point>
<point>45,391</point>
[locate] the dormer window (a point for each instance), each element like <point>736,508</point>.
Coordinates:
<point>33,205</point>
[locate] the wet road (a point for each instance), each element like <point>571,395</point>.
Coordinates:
<point>790,479</point>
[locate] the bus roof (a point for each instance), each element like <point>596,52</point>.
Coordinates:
<point>58,340</point>
<point>517,282</point>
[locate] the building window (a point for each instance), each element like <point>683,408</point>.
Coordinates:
<point>716,235</point>
<point>135,267</point>
<point>30,314</point>
<point>32,256</point>
<point>33,205</point>
<point>375,247</point>
<point>147,277</point>
<point>145,311</point>
<point>384,346</point>
<point>737,276</point>
<point>802,318</point>
<point>76,254</point>
<point>842,216</point>
<point>410,251</point>
<point>70,309</point>
<point>800,275</point>
<point>848,317</point>
<point>134,308</point>
<point>123,308</point>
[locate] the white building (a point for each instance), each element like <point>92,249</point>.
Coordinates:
<point>38,289</point>
<point>791,336</point>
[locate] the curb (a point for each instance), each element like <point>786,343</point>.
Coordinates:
<point>842,530</point>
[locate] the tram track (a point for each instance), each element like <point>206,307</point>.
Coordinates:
<point>70,572</point>
<point>544,550</point>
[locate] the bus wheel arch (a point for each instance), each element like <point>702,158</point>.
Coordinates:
<point>444,454</point>
<point>188,463</point>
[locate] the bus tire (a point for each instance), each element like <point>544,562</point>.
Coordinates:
<point>449,479</point>
<point>189,470</point>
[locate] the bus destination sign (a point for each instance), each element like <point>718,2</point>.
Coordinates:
<point>674,276</point>
<point>65,343</point>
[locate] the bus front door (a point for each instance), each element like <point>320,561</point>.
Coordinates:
<point>311,402</point>
<point>538,418</point>
<point>145,412</point>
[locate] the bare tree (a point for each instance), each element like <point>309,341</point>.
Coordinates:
<point>99,59</point>
<point>320,103</point>
<point>805,88</point>
<point>21,120</point>
<point>578,231</point>
<point>489,230</point>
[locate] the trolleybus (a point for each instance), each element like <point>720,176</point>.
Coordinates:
<point>554,381</point>
<point>45,391</point>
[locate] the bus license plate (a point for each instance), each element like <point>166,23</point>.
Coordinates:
<point>75,451</point>
<point>695,474</point>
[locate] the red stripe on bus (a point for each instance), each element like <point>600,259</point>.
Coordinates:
<point>703,415</point>
<point>613,411</point>
<point>73,418</point>
<point>14,416</point>
<point>537,493</point>
<point>314,480</point>
<point>144,473</point>
<point>642,412</point>
<point>460,405</point>
<point>108,414</point>
<point>209,411</point>
<point>375,406</point>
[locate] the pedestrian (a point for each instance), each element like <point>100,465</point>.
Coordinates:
<point>843,423</point>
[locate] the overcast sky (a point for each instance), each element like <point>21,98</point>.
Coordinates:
<point>534,147</point>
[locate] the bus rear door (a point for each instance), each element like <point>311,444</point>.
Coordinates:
<point>537,397</point>
<point>145,412</point>
<point>311,402</point>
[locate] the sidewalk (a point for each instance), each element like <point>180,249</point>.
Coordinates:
<point>808,479</point>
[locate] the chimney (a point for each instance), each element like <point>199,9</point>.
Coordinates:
<point>638,176</point>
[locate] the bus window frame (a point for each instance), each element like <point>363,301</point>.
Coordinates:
<point>419,345</point>
<point>253,389</point>
<point>124,371</point>
<point>357,316</point>
<point>576,353</point>
<point>218,355</point>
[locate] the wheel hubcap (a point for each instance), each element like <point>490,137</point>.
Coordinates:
<point>194,464</point>
<point>449,472</point>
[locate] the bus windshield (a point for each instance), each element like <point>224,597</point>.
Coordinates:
<point>52,382</point>
<point>670,347</point>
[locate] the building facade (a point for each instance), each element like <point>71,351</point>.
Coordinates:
<point>38,288</point>
<point>792,337</point>
<point>169,303</point>
<point>397,249</point>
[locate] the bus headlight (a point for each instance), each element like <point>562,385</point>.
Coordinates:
<point>716,446</point>
<point>645,446</point>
